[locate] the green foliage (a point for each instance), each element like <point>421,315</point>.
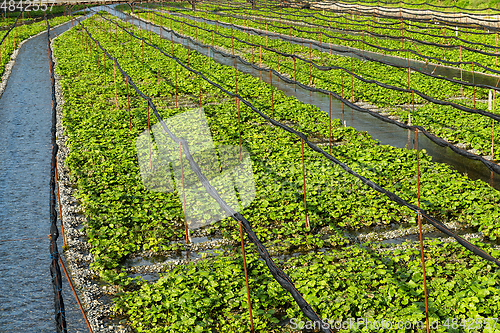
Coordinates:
<point>125,218</point>
<point>474,131</point>
<point>382,284</point>
<point>20,33</point>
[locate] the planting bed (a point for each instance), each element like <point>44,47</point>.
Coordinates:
<point>346,245</point>
<point>379,84</point>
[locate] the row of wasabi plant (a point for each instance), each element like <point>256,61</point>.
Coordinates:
<point>471,130</point>
<point>350,280</point>
<point>21,33</point>
<point>360,33</point>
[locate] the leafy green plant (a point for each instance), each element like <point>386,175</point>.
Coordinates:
<point>125,218</point>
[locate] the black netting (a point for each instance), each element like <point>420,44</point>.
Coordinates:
<point>362,41</point>
<point>443,143</point>
<point>439,225</point>
<point>340,19</point>
<point>55,271</point>
<point>10,29</point>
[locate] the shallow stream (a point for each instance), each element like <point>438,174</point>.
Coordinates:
<point>26,293</point>
<point>385,133</point>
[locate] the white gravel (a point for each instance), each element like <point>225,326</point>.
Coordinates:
<point>77,254</point>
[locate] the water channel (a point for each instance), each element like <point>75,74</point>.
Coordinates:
<point>385,133</point>
<point>26,293</point>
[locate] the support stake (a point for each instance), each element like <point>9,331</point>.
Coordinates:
<point>272,97</point>
<point>421,239</point>
<point>246,278</point>
<point>114,76</point>
<point>184,196</point>
<point>473,87</point>
<point>295,77</point>
<point>461,74</point>
<point>493,127</point>
<point>352,83</point>
<point>149,137</point>
<point>128,102</point>
<point>176,99</point>
<point>330,123</point>
<point>342,94</point>
<point>304,178</point>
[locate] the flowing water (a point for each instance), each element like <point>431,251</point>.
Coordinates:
<point>385,133</point>
<point>26,292</point>
<point>429,68</point>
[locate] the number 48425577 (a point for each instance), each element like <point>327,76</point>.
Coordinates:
<point>27,5</point>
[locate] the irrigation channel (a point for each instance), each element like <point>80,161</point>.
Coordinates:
<point>26,296</point>
<point>26,293</point>
<point>436,69</point>
<point>385,133</point>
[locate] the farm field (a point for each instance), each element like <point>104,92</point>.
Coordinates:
<point>205,189</point>
<point>444,116</point>
<point>16,29</point>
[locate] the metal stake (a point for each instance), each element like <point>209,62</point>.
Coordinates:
<point>421,238</point>
<point>246,278</point>
<point>304,178</point>
<point>184,196</point>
